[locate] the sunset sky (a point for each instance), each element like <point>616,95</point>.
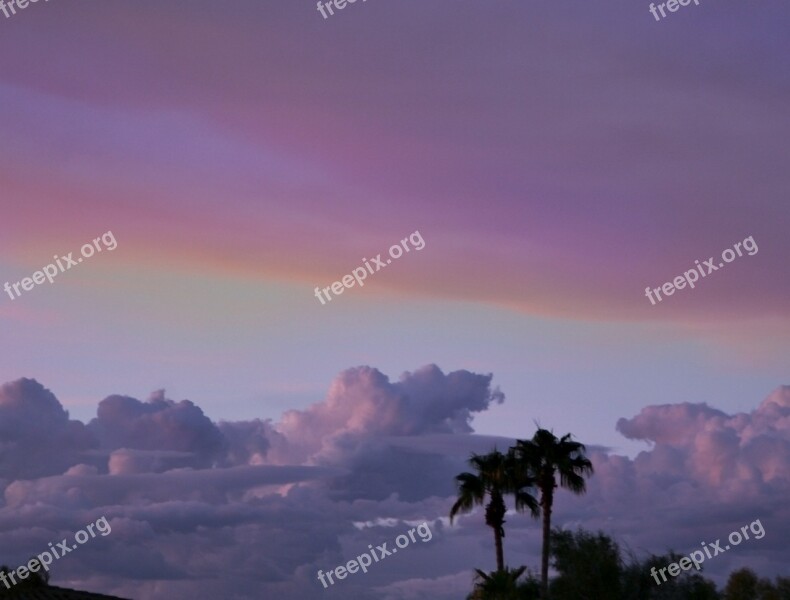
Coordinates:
<point>556,158</point>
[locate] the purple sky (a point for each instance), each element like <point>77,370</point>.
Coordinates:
<point>556,159</point>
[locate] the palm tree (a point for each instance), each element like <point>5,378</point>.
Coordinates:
<point>544,457</point>
<point>494,476</point>
<point>504,585</point>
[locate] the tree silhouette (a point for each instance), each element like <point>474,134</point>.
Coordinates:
<point>588,565</point>
<point>35,580</point>
<point>545,457</point>
<point>494,476</point>
<point>504,585</point>
<point>744,584</point>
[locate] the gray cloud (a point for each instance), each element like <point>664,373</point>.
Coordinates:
<point>37,438</point>
<point>158,424</point>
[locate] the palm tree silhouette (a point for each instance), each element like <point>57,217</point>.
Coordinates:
<point>503,585</point>
<point>495,475</point>
<point>544,457</point>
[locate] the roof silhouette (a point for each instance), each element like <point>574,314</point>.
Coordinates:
<point>58,593</point>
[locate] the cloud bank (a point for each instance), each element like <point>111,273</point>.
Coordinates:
<point>253,509</point>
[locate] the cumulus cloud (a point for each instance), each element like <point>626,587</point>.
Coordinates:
<point>248,442</point>
<point>706,473</point>
<point>253,509</point>
<point>363,404</point>
<point>156,425</point>
<point>37,438</point>
<point>742,451</point>
<point>192,500</point>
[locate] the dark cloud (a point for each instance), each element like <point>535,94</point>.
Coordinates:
<point>248,442</point>
<point>158,424</point>
<point>37,438</point>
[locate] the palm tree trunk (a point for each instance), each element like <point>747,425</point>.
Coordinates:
<point>495,519</point>
<point>500,553</point>
<point>546,501</point>
<point>544,562</point>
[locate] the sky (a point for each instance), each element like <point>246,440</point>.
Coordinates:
<point>555,160</point>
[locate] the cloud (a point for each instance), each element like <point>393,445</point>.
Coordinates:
<point>706,473</point>
<point>37,438</point>
<point>158,424</point>
<point>248,442</point>
<point>740,451</point>
<point>363,404</point>
<point>255,508</point>
<point>192,502</point>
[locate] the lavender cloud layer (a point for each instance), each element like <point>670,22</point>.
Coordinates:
<point>253,509</point>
